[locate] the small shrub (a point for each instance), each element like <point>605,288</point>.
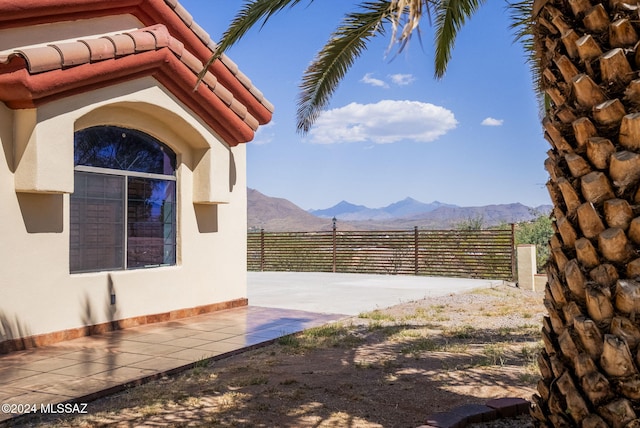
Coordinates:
<point>377,315</point>
<point>461,332</point>
<point>495,354</point>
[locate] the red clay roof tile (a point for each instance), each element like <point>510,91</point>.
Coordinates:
<point>133,43</point>
<point>42,59</point>
<point>124,44</point>
<point>18,13</point>
<point>206,39</point>
<point>211,81</point>
<point>258,94</point>
<point>260,97</point>
<point>73,53</point>
<point>244,79</point>
<point>232,66</point>
<point>212,45</point>
<point>252,122</point>
<point>161,35</point>
<point>239,109</point>
<point>224,94</point>
<point>250,106</point>
<point>183,14</point>
<point>191,61</point>
<point>176,46</point>
<point>143,40</point>
<point>201,33</point>
<point>100,48</point>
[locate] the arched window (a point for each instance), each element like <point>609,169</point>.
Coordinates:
<point>123,208</point>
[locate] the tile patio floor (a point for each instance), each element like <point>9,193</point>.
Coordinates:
<point>86,368</point>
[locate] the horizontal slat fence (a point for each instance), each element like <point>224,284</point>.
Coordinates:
<point>487,254</point>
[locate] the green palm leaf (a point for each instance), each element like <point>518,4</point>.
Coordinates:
<point>333,61</point>
<point>450,16</point>
<point>521,15</point>
<point>252,12</point>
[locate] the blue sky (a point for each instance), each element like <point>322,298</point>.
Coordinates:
<point>391,130</point>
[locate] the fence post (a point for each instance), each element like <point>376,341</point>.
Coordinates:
<point>261,250</point>
<point>514,273</point>
<point>334,244</point>
<point>415,250</point>
<point>527,266</point>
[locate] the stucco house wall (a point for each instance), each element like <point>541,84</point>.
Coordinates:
<point>39,298</point>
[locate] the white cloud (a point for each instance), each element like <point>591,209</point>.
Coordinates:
<point>373,81</point>
<point>386,121</point>
<point>264,134</point>
<point>402,79</point>
<point>492,122</point>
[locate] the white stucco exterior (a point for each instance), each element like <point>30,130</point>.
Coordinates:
<point>38,294</point>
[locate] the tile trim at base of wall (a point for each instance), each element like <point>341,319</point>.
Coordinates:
<point>39,340</point>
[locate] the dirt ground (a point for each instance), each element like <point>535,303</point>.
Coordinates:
<point>387,368</point>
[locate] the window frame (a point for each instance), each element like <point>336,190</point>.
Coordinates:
<point>126,196</point>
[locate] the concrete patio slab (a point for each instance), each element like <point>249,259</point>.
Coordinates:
<point>349,293</point>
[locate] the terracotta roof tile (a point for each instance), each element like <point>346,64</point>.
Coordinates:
<point>260,97</point>
<point>73,53</point>
<point>124,44</point>
<point>183,14</point>
<point>206,39</point>
<point>224,94</point>
<point>239,109</point>
<point>100,49</point>
<point>258,94</point>
<point>244,79</point>
<point>201,33</point>
<point>232,66</point>
<point>69,54</point>
<point>191,61</point>
<point>212,45</point>
<point>267,104</point>
<point>150,13</point>
<point>176,46</point>
<point>252,122</point>
<point>41,59</point>
<point>143,40</point>
<point>162,36</point>
<point>211,81</point>
<point>223,81</point>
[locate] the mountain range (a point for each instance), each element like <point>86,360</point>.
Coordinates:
<point>280,215</point>
<point>404,208</point>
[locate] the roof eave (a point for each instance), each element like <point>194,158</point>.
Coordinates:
<point>17,13</point>
<point>19,89</point>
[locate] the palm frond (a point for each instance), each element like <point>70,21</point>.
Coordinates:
<point>405,19</point>
<point>330,65</point>
<point>522,25</point>
<point>251,13</point>
<point>450,16</point>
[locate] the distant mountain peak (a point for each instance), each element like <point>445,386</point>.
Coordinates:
<point>344,210</point>
<point>346,204</point>
<point>409,207</point>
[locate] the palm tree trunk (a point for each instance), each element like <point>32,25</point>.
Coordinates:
<point>590,361</point>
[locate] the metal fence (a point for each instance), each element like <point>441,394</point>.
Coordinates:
<point>487,254</point>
